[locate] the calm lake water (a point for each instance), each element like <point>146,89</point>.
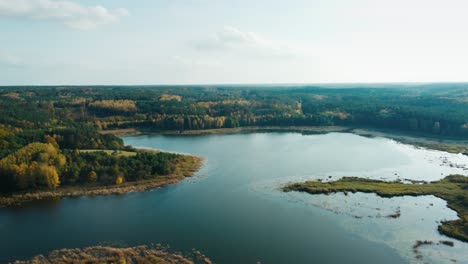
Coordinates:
<point>233,211</point>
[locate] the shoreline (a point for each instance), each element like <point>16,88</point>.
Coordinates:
<point>451,145</point>
<point>16,199</point>
<point>226,131</point>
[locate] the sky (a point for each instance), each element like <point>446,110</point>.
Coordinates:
<point>84,42</point>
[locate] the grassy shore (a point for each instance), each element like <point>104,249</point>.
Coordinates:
<point>453,189</point>
<point>102,254</point>
<point>188,166</point>
<point>450,145</point>
<point>118,153</point>
<point>121,131</point>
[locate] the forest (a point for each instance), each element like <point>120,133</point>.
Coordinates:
<point>40,166</point>
<point>437,109</point>
<point>43,128</point>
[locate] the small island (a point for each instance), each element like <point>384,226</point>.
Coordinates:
<point>453,189</point>
<point>105,254</point>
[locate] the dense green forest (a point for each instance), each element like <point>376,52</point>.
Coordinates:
<point>439,109</point>
<point>43,128</point>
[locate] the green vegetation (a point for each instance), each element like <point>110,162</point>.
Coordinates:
<point>55,163</point>
<point>108,169</point>
<point>47,143</point>
<point>118,153</point>
<point>38,166</point>
<point>453,189</point>
<point>102,182</point>
<point>438,109</point>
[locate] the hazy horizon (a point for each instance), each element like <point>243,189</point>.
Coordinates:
<point>373,84</point>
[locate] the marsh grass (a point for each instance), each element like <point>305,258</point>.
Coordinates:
<point>102,254</point>
<point>453,189</point>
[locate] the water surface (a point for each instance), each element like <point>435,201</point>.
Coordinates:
<point>233,211</point>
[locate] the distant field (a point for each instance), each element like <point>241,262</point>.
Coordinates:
<point>111,152</point>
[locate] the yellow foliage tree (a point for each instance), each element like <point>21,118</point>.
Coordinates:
<point>92,176</point>
<point>122,105</point>
<point>119,180</point>
<point>48,175</point>
<point>52,140</point>
<point>35,165</point>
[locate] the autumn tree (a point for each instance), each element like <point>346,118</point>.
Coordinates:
<point>36,165</point>
<point>92,177</point>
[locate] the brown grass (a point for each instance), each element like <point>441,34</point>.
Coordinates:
<point>102,254</point>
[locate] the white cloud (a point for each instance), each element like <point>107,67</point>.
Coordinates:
<point>251,43</point>
<point>70,14</point>
<point>231,35</point>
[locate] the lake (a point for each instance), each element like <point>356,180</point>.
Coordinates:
<point>233,211</point>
